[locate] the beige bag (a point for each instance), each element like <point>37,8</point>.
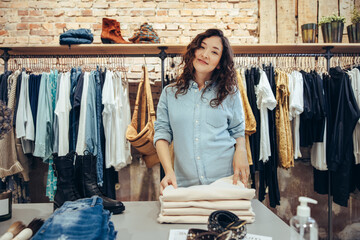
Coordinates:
<point>142,139</point>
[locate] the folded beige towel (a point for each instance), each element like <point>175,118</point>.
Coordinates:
<point>200,212</point>
<point>222,189</point>
<point>195,219</point>
<point>215,205</point>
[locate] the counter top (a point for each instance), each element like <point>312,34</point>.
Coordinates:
<point>138,222</point>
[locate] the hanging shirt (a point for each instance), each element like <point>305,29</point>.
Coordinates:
<point>283,131</point>
<point>62,110</point>
<point>355,83</point>
<point>80,145</point>
<point>44,138</point>
<point>25,129</point>
<point>265,100</point>
<point>90,119</point>
<point>250,122</point>
<point>296,108</point>
<point>204,137</point>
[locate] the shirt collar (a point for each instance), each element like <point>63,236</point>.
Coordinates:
<point>194,84</point>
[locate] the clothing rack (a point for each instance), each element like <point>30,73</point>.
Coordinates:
<point>254,50</point>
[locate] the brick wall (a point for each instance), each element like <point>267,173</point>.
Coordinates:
<point>176,21</point>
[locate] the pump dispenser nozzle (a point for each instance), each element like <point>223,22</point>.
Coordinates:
<point>303,209</point>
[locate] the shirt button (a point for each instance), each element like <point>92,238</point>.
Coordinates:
<point>196,90</point>
<point>196,139</point>
<point>197,105</point>
<point>198,158</point>
<point>197,121</point>
<point>202,177</point>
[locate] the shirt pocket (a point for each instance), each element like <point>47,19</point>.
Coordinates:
<point>215,117</point>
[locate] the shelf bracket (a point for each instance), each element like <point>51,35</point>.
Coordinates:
<point>162,56</point>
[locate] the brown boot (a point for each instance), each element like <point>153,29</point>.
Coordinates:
<point>111,32</point>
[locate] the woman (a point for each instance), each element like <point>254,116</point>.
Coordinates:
<point>202,113</point>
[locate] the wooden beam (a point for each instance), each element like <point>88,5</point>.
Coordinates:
<point>307,13</point>
<point>327,8</point>
<point>267,14</point>
<point>286,26</point>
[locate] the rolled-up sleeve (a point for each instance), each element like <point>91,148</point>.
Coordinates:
<point>162,124</point>
<point>237,121</point>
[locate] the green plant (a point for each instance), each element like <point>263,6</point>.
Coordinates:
<point>332,18</point>
<point>355,16</point>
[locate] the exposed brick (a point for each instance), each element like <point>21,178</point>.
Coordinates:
<point>10,40</point>
<point>48,26</point>
<point>22,26</point>
<point>141,4</point>
<point>172,27</point>
<point>22,40</point>
<point>99,13</point>
<point>32,19</point>
<point>49,13</point>
<point>149,12</point>
<point>118,5</point>
<point>58,13</point>
<point>158,26</point>
<point>173,12</point>
<point>22,13</point>
<point>245,20</point>
<point>86,19</point>
<point>60,25</point>
<point>111,12</point>
<point>209,12</point>
<point>3,32</point>
<point>101,5</point>
<point>35,13</point>
<point>39,32</point>
<point>197,5</point>
<point>161,12</point>
<point>197,12</point>
<point>19,4</point>
<point>248,5</point>
<point>208,20</point>
<point>67,4</point>
<point>87,12</point>
<point>135,12</point>
<point>97,26</point>
<point>185,12</point>
<point>86,5</point>
<point>232,26</point>
<point>170,5</point>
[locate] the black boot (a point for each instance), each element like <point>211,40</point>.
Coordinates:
<point>64,171</point>
<point>86,179</point>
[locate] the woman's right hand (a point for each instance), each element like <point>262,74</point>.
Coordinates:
<point>169,179</point>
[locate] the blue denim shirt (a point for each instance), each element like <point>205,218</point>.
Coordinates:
<point>204,137</point>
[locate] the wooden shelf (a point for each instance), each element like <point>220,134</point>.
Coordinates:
<point>135,49</point>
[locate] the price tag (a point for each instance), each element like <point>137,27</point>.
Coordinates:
<point>256,237</point>
<point>178,234</point>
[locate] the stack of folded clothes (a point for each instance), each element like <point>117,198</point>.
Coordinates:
<point>194,204</point>
<point>76,36</point>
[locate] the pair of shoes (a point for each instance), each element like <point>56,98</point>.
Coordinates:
<point>222,225</point>
<point>111,32</point>
<point>77,178</point>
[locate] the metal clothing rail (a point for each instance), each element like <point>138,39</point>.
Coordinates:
<point>163,55</point>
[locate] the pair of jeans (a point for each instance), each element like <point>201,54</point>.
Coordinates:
<point>82,219</point>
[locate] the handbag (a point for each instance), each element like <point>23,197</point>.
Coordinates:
<point>142,139</point>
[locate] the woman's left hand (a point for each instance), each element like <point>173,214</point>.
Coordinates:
<point>240,162</point>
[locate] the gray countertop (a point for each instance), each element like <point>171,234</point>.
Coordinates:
<point>138,222</point>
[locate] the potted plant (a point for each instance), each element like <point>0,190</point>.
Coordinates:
<point>332,28</point>
<point>353,30</point>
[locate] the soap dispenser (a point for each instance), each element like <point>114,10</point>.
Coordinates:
<point>304,227</point>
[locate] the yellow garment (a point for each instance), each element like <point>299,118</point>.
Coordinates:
<point>283,129</point>
<point>250,122</point>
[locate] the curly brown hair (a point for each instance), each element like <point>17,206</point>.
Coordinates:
<point>224,78</point>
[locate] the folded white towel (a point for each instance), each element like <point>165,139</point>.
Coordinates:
<point>213,204</point>
<point>195,219</point>
<point>200,212</point>
<point>222,189</point>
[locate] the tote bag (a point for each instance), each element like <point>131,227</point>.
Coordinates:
<point>141,137</point>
